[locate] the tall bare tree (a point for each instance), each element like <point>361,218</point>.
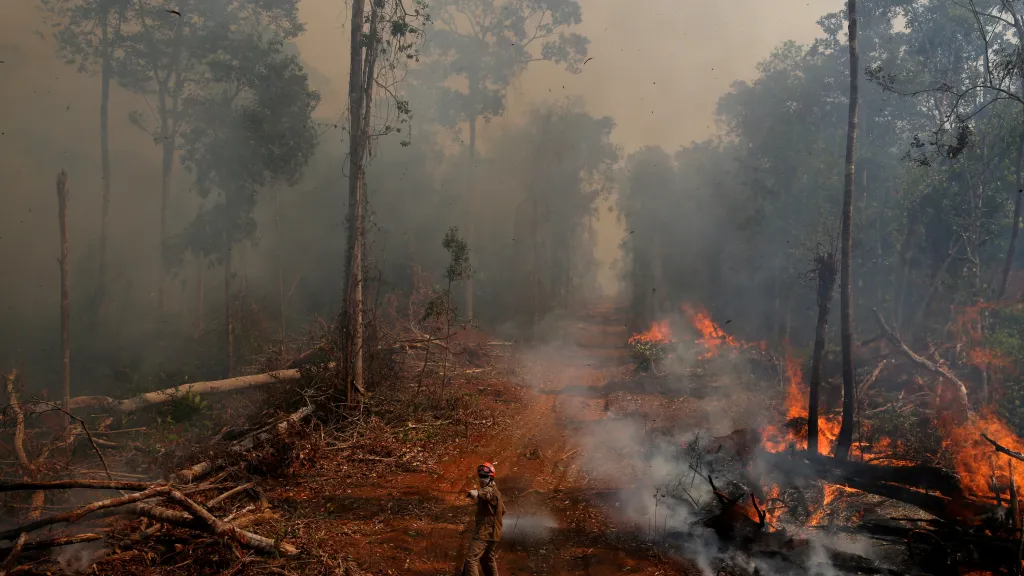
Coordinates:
<point>65,290</point>
<point>361,58</point>
<point>845,439</point>
<point>386,32</point>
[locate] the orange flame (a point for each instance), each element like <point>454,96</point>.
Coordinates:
<point>967,326</point>
<point>711,335</point>
<point>974,458</point>
<point>658,333</point>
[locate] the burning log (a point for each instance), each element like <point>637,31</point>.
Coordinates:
<point>733,524</point>
<point>901,483</point>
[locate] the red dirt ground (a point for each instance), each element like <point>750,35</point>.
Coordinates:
<point>390,521</point>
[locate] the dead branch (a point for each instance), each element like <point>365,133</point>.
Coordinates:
<point>961,389</point>
<point>82,511</point>
<point>121,431</point>
<point>19,420</point>
<point>264,434</point>
<point>197,471</point>
<point>200,470</point>
<point>66,484</point>
<point>228,494</point>
<point>13,552</point>
<point>53,542</point>
<point>221,528</point>
<point>872,377</point>
<point>38,499</point>
<point>762,515</point>
<point>92,441</point>
<point>1003,449</point>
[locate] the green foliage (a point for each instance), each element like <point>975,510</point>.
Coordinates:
<point>459,269</point>
<point>185,406</point>
<point>489,43</point>
<point>647,354</point>
<point>252,128</point>
<point>731,222</point>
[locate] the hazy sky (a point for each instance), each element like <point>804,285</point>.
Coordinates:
<point>658,65</point>
<point>658,68</point>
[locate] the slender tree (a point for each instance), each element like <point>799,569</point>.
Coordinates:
<point>386,35</point>
<point>825,271</point>
<point>63,196</point>
<point>845,439</point>
<point>89,34</point>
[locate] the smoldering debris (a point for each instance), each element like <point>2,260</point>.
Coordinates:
<point>529,527</point>
<point>78,558</point>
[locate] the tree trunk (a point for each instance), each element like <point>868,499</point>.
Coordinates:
<point>168,142</point>
<point>903,271</point>
<point>826,269</point>
<point>471,226</point>
<point>845,439</point>
<point>105,73</point>
<point>201,275</point>
<point>361,75</point>
<point>351,330</point>
<point>166,167</point>
<point>280,268</point>
<point>229,324</point>
<point>65,291</point>
<point>1015,228</point>
<point>535,267</point>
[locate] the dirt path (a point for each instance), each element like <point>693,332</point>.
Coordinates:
<point>555,524</point>
<point>390,520</point>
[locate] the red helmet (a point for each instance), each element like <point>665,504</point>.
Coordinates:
<point>485,470</point>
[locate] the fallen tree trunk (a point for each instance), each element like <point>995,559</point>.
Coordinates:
<point>66,484</point>
<point>158,397</point>
<point>892,482</point>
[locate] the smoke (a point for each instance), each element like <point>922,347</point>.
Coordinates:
<point>49,121</point>
<point>525,528</point>
<point>79,557</point>
<point>646,437</point>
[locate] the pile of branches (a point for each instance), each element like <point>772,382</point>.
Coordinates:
<point>181,502</point>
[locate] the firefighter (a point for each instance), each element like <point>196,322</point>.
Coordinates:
<point>489,511</point>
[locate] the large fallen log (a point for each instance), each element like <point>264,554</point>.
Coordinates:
<point>158,397</point>
<point>950,503</point>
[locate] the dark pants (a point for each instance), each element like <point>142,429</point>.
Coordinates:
<point>481,554</point>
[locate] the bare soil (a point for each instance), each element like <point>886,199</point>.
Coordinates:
<point>393,522</point>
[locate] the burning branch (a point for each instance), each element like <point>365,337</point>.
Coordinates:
<point>1002,449</point>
